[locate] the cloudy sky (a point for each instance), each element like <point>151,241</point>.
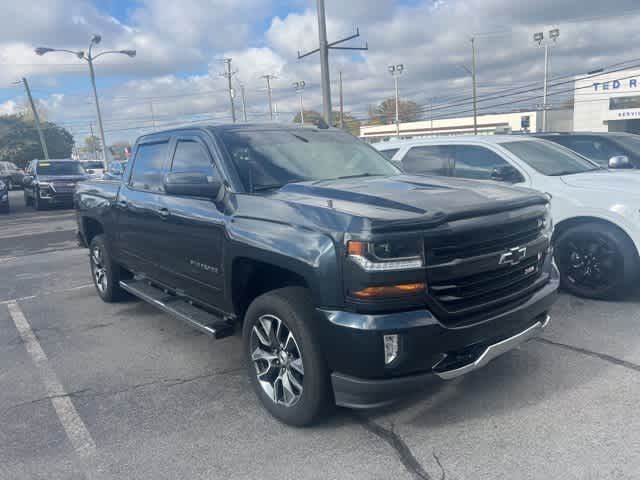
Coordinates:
<point>175,76</point>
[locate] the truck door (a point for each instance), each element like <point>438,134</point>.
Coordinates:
<point>194,227</point>
<point>140,211</point>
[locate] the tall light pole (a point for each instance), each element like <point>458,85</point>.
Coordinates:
<point>473,79</point>
<point>396,71</point>
<point>268,78</point>
<point>89,57</point>
<point>36,118</point>
<point>299,86</point>
<point>539,39</point>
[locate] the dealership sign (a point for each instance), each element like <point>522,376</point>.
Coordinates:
<point>627,84</point>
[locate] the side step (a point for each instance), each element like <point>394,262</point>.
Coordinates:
<point>177,306</point>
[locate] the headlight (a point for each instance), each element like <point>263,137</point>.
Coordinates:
<point>548,221</point>
<point>46,185</point>
<point>387,255</point>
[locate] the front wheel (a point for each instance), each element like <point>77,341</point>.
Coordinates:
<point>38,204</point>
<point>286,368</point>
<point>104,272</point>
<point>596,261</point>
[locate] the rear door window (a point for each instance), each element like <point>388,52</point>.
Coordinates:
<point>428,159</point>
<point>148,167</point>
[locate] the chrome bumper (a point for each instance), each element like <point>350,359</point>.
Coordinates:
<point>495,350</point>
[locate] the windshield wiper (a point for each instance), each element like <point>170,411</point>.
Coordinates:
<point>359,175</point>
<point>262,188</point>
<point>569,172</point>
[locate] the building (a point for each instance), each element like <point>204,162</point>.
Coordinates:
<point>526,121</point>
<point>608,102</point>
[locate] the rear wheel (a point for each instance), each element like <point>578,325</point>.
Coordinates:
<point>286,368</point>
<point>104,272</point>
<point>596,261</point>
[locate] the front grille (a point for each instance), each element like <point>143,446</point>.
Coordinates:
<point>466,280</point>
<point>487,240</point>
<point>64,187</point>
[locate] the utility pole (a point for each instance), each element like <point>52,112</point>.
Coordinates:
<point>396,71</point>
<point>36,119</point>
<point>323,49</point>
<point>244,102</point>
<point>93,142</point>
<point>473,79</point>
<point>299,86</point>
<point>228,74</point>
<point>268,77</point>
<point>539,38</point>
<point>153,115</point>
<point>341,103</point>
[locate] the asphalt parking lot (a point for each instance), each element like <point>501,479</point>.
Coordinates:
<point>90,390</point>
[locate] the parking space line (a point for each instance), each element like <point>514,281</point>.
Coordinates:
<point>73,425</point>
<point>47,292</point>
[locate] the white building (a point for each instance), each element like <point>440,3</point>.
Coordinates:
<point>608,102</point>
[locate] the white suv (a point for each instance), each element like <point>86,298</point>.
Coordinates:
<point>597,211</point>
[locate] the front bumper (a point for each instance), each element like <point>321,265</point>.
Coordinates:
<point>430,351</point>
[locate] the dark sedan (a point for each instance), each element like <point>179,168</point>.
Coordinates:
<point>4,197</point>
<point>52,182</point>
<point>608,149</point>
<point>11,175</point>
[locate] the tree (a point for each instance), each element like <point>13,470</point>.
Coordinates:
<point>118,150</point>
<point>92,146</point>
<point>20,143</point>
<point>385,112</point>
<point>351,124</point>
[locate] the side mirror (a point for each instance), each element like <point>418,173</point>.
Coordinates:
<point>506,173</point>
<point>91,171</point>
<point>27,179</point>
<point>619,162</point>
<point>193,185</point>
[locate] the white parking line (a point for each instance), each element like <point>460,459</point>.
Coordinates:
<point>75,428</point>
<point>48,292</point>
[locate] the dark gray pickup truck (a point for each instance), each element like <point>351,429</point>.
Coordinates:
<point>352,283</point>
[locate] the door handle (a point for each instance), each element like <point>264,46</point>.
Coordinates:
<point>163,212</point>
<point>123,203</point>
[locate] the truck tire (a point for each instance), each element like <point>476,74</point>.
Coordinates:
<point>104,272</point>
<point>27,199</point>
<point>38,204</point>
<point>286,367</point>
<point>596,261</point>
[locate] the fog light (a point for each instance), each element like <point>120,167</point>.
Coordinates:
<point>390,348</point>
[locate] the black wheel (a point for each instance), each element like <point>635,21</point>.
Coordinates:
<point>286,368</point>
<point>38,204</point>
<point>5,208</point>
<point>27,199</point>
<point>596,261</point>
<point>104,272</point>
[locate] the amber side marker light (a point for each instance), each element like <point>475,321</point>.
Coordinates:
<point>390,290</point>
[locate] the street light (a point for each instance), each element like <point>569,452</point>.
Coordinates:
<point>89,57</point>
<point>396,71</point>
<point>538,37</point>
<point>299,87</point>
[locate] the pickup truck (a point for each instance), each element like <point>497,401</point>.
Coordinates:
<point>352,283</point>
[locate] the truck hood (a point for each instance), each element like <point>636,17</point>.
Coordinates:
<point>409,198</point>
<point>618,181</point>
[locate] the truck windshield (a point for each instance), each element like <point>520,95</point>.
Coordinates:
<point>60,168</point>
<point>549,158</point>
<point>267,159</point>
<point>629,142</point>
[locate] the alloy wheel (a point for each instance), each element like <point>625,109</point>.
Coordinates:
<point>591,262</point>
<point>277,360</point>
<point>98,269</point>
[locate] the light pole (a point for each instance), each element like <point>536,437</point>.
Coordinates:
<point>539,38</point>
<point>396,71</point>
<point>89,57</point>
<point>299,86</point>
<point>268,78</point>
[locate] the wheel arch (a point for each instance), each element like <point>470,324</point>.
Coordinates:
<point>90,228</point>
<point>568,223</point>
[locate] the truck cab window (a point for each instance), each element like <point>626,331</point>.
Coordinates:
<point>148,165</point>
<point>191,156</point>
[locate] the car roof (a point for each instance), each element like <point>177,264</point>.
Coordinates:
<point>470,139</point>
<point>228,127</point>
<point>602,134</point>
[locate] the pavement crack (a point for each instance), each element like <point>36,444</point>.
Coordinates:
<point>408,459</point>
<point>44,399</point>
<point>443,475</point>
<point>602,356</point>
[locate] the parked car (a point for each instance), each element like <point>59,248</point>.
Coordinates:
<point>352,283</point>
<point>609,149</point>
<point>11,175</point>
<point>597,233</point>
<point>93,168</point>
<point>52,182</point>
<point>4,197</point>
